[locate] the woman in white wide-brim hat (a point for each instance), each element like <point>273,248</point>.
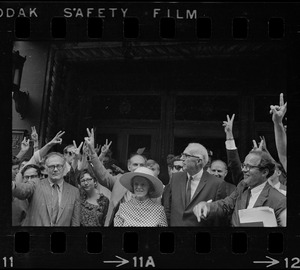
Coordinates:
<point>141,211</point>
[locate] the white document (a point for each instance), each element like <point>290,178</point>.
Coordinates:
<point>263,214</point>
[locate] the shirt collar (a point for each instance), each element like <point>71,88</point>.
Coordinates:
<point>258,189</point>
<point>196,176</point>
<point>59,183</point>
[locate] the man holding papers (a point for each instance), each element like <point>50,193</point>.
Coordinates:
<point>253,191</point>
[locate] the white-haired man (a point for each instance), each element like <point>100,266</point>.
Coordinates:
<point>192,186</point>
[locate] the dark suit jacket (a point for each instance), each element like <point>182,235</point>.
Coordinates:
<point>237,200</point>
<point>179,214</point>
<point>38,193</point>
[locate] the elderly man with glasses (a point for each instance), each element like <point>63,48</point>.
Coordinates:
<point>192,186</point>
<point>252,192</point>
<point>52,201</point>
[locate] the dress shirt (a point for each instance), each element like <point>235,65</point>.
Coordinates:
<point>230,145</point>
<point>255,192</point>
<point>60,188</point>
<point>195,181</point>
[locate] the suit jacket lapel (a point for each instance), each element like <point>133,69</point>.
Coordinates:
<point>47,194</point>
<point>263,196</point>
<point>182,186</point>
<point>64,198</point>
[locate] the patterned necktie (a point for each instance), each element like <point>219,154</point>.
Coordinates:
<point>188,191</point>
<point>55,203</point>
<point>248,194</point>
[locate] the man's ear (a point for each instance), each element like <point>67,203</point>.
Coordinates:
<point>226,173</point>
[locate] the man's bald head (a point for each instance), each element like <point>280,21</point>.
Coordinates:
<point>218,168</point>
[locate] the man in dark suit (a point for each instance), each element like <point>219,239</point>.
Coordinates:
<point>253,191</point>
<point>190,187</point>
<point>218,168</point>
<point>52,201</point>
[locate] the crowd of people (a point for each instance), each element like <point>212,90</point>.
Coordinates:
<point>84,186</point>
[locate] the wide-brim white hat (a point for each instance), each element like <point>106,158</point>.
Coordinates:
<point>126,181</point>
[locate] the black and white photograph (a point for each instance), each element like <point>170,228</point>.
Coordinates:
<point>164,115</point>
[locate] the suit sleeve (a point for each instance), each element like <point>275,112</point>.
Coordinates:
<point>76,211</point>
<point>234,163</point>
<point>102,175</point>
<point>24,191</point>
<point>224,207</point>
<point>167,200</point>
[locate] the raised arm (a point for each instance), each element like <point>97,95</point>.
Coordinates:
<point>102,175</point>
<point>77,156</point>
<point>278,113</point>
<point>24,191</point>
<point>35,139</point>
<point>24,148</point>
<point>56,140</point>
<point>233,159</point>
<point>104,150</point>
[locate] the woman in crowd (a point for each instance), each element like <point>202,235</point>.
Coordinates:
<point>94,200</point>
<point>141,211</point>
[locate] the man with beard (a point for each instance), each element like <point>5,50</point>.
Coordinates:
<point>253,191</point>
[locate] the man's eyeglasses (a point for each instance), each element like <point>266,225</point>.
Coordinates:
<point>28,177</point>
<point>248,167</point>
<point>69,153</point>
<point>86,180</point>
<point>58,167</point>
<point>184,156</point>
<point>177,167</point>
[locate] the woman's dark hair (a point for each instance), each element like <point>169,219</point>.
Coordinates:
<point>29,166</point>
<point>83,172</point>
<point>266,161</point>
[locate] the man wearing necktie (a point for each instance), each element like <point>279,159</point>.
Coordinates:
<point>52,201</point>
<point>257,168</point>
<point>190,187</point>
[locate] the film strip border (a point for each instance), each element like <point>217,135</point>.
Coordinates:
<point>182,248</point>
<point>240,26</point>
<point>172,247</point>
<point>148,21</point>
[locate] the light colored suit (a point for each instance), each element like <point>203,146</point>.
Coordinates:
<point>39,195</point>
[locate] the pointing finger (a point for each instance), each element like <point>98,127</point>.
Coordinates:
<point>281,102</point>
